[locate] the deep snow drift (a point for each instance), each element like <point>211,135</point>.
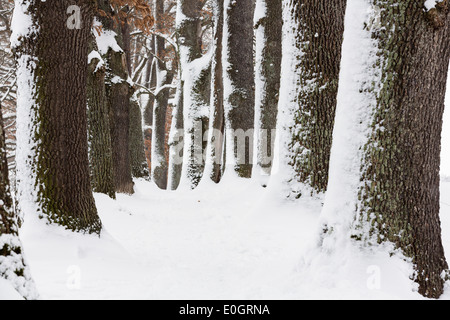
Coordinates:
<point>235,240</point>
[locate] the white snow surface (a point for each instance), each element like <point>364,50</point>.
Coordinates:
<point>235,240</point>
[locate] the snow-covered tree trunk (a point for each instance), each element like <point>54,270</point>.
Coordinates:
<point>139,168</point>
<point>307,118</point>
<point>12,263</point>
<point>268,25</point>
<point>99,135</point>
<point>214,156</point>
<point>119,92</point>
<point>150,83</point>
<point>53,170</point>
<point>239,85</point>
<point>386,150</point>
<point>195,77</point>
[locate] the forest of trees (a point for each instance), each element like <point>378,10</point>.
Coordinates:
<point>337,100</point>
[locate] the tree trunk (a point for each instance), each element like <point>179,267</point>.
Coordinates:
<point>239,93</point>
<point>268,72</point>
<point>217,123</point>
<point>119,92</point>
<point>320,28</point>
<point>99,135</point>
<point>176,143</point>
<point>150,83</point>
<point>12,264</point>
<point>164,77</point>
<point>59,151</point>
<point>189,30</point>
<point>388,126</point>
<point>139,168</point>
<point>400,191</point>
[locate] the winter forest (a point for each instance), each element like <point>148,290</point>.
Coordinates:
<point>224,149</point>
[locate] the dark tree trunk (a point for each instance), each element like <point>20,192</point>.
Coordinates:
<point>240,103</point>
<point>320,28</point>
<point>61,164</point>
<point>99,135</point>
<point>270,72</point>
<point>159,162</point>
<point>399,197</point>
<point>217,107</point>
<point>119,92</point>
<point>139,168</point>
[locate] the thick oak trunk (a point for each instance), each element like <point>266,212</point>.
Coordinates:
<point>400,191</point>
<point>60,152</point>
<point>320,28</point>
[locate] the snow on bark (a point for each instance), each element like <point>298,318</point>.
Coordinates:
<point>360,77</point>
<point>12,261</point>
<point>289,90</point>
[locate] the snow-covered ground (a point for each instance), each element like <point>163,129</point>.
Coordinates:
<point>227,241</point>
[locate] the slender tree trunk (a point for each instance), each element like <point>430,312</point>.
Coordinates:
<point>176,143</point>
<point>99,135</point>
<point>12,265</point>
<point>119,92</point>
<point>217,123</point>
<point>164,78</point>
<point>139,168</point>
<point>268,28</point>
<point>150,82</point>
<point>239,88</point>
<point>59,152</point>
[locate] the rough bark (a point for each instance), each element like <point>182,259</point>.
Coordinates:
<point>190,48</point>
<point>139,168</point>
<point>164,78</point>
<point>320,28</point>
<point>119,92</point>
<point>268,68</point>
<point>240,102</point>
<point>159,163</point>
<point>399,194</point>
<point>217,122</point>
<point>99,135</point>
<point>12,264</point>
<point>64,192</point>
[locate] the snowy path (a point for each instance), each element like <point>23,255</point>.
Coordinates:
<point>212,243</point>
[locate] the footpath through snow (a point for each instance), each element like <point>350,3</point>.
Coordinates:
<point>227,241</point>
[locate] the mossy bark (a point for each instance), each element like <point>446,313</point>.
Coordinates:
<point>240,102</point>
<point>119,93</point>
<point>320,29</point>
<point>217,124</point>
<point>399,194</point>
<point>139,168</point>
<point>99,135</point>
<point>64,192</point>
<point>270,72</point>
